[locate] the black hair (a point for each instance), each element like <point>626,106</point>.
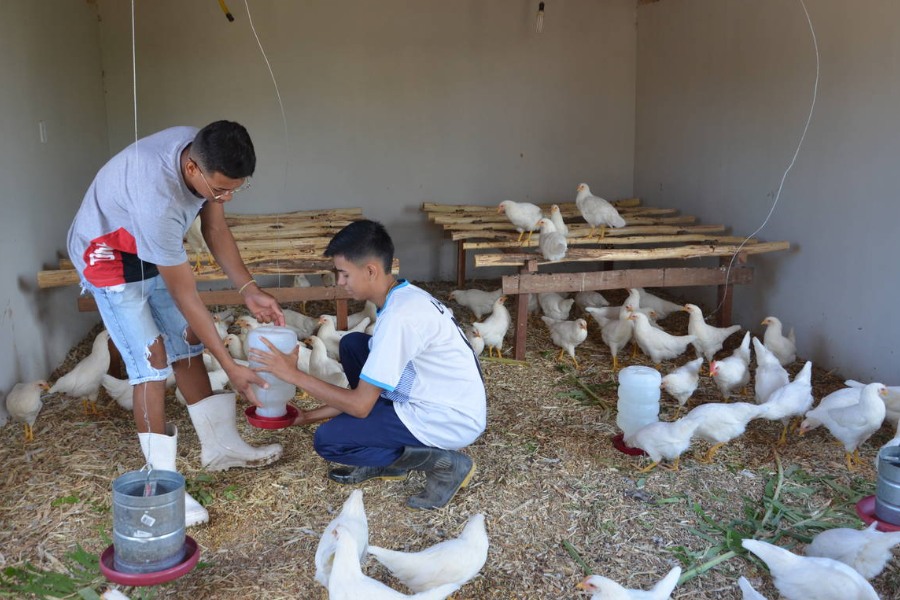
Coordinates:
<point>224,147</point>
<point>362,240</point>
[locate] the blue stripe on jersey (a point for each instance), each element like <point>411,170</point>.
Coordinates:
<point>401,392</point>
<point>377,383</point>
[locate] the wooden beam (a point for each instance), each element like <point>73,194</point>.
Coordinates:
<point>233,298</point>
<point>539,283</point>
<point>630,254</point>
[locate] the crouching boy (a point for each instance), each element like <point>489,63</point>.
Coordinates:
<point>416,392</point>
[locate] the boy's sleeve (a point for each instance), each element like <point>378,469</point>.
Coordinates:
<point>394,345</point>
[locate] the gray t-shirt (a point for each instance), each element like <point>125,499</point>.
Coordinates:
<point>136,212</point>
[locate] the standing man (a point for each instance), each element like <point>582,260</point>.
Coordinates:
<point>417,396</point>
<point>127,244</point>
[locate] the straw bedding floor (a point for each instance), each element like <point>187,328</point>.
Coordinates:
<point>558,498</point>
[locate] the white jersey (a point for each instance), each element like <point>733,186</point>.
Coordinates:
<point>420,357</point>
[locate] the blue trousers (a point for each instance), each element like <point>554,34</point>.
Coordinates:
<point>375,441</point>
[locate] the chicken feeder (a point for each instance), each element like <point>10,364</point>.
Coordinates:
<point>274,398</point>
<point>887,492</point>
<point>148,521</point>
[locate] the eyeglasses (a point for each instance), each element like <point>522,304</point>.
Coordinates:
<point>218,193</point>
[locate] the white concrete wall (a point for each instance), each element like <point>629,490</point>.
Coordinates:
<point>724,88</point>
<point>50,71</point>
<point>390,104</point>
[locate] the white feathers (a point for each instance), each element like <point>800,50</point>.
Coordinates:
<point>810,578</point>
<point>597,211</point>
<point>785,348</point>
<point>478,301</point>
<point>769,375</point>
<point>682,382</point>
<point>555,306</point>
<point>353,518</point>
<point>322,366</point>
<point>656,343</point>
<point>83,381</point>
<point>453,561</point>
<point>709,338</point>
<point>23,403</point>
<point>493,329</point>
<point>866,550</point>
<point>523,215</point>
<point>603,588</point>
<point>567,334</point>
<point>552,243</point>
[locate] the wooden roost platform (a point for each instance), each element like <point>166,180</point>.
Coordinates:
<point>650,234</point>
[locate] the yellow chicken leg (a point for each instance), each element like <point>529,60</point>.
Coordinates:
<point>29,433</point>
<point>712,452</point>
<point>648,469</point>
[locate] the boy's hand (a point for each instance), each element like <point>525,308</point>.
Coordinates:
<point>281,365</point>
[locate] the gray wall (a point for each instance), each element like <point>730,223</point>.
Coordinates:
<point>390,104</point>
<point>49,66</point>
<point>723,92</point>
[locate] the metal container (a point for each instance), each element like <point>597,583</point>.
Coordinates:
<point>148,530</point>
<point>887,492</point>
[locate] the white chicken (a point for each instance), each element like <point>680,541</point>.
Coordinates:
<point>732,372</point>
<point>656,343</point>
<point>478,301</point>
<point>590,299</point>
<point>194,238</point>
<point>661,306</point>
<point>523,215</point>
<point>475,340</point>
<point>552,244</point>
<point>866,550</point>
<point>221,326</point>
<point>603,588</point>
<point>567,335</point>
<point>23,403</point>
<point>247,323</point>
<point>4,414</point>
<point>855,423</point>
<point>453,561</point>
<point>235,346</point>
<point>119,389</point>
<point>664,440</point>
<point>369,311</point>
<point>556,217</point>
<point>353,518</point>
<point>331,335</point>
<point>555,306</point>
<point>709,338</point>
<point>113,594</point>
<point>348,582</point>
<point>83,381</point>
<point>616,333</point>
<point>597,211</point>
<point>720,423</point>
<point>747,591</point>
<point>769,374</point>
<point>303,325</point>
<point>891,401</point>
<point>493,329</point>
<point>791,400</point>
<point>785,348</point>
<point>836,399</point>
<point>322,366</point>
<point>682,382</point>
<point>810,578</point>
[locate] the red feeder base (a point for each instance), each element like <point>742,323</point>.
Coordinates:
<point>865,508</point>
<point>191,556</point>
<point>286,420</point>
<point>619,444</point>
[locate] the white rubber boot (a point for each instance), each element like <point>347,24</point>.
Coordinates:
<point>161,449</point>
<point>221,447</point>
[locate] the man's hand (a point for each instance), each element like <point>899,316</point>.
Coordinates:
<point>241,378</point>
<point>281,365</point>
<point>263,307</point>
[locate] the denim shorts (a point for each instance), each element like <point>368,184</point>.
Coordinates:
<point>135,314</point>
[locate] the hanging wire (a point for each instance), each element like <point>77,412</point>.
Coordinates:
<point>283,120</point>
<point>790,166</point>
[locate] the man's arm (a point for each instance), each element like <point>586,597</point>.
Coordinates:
<point>223,247</point>
<point>180,282</point>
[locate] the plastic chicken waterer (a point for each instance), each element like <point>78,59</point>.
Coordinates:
<point>274,398</point>
<point>638,404</point>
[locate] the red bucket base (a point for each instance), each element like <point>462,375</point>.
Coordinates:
<point>285,420</point>
<point>191,556</point>
<point>619,444</point>
<point>865,509</point>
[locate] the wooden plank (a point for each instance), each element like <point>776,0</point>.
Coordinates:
<point>494,217</point>
<point>539,283</point>
<point>631,254</point>
<point>617,241</point>
<point>507,226</point>
<point>460,265</point>
<point>577,231</point>
<point>232,297</point>
<point>300,215</point>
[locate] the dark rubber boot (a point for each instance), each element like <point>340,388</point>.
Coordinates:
<point>446,471</point>
<point>351,475</point>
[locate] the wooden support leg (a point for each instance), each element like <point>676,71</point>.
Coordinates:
<point>460,264</point>
<point>342,312</point>
<point>521,326</point>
